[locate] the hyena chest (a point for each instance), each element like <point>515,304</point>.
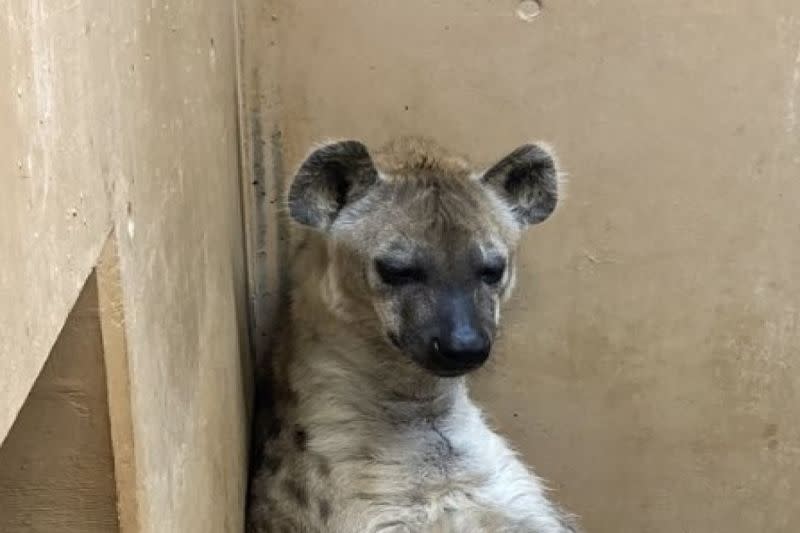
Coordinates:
<point>417,477</point>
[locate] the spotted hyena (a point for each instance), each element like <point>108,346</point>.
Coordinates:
<point>404,258</point>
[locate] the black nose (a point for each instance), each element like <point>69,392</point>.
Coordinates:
<point>463,348</point>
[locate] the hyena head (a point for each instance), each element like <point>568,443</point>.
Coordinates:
<point>421,246</point>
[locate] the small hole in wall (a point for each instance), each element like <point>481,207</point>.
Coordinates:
<point>528,10</point>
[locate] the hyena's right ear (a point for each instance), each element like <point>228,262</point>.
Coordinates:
<point>333,176</point>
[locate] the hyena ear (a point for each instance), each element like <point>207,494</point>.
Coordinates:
<point>527,179</point>
<point>331,177</point>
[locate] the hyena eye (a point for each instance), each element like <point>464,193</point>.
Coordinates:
<point>492,274</point>
<point>396,274</point>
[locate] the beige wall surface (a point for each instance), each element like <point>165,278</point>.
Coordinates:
<point>123,116</point>
<point>649,367</point>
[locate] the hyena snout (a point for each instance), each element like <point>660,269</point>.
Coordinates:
<point>460,351</point>
<point>461,342</point>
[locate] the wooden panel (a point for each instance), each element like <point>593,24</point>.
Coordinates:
<point>56,464</point>
<point>115,356</point>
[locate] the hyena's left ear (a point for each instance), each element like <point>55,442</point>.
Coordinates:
<point>331,177</point>
<point>527,179</point>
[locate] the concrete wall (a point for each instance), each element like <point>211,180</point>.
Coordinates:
<point>122,116</point>
<point>649,366</point>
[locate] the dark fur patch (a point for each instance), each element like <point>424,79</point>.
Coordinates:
<point>324,509</point>
<point>297,491</point>
<point>417,497</point>
<point>446,446</point>
<point>258,524</point>
<point>323,467</point>
<point>274,429</point>
<point>271,463</point>
<point>301,438</point>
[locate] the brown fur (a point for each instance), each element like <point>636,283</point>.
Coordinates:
<point>356,430</point>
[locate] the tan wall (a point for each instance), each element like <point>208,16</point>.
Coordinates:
<point>649,365</point>
<point>123,116</point>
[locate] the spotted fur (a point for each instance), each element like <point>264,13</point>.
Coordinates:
<point>353,433</point>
